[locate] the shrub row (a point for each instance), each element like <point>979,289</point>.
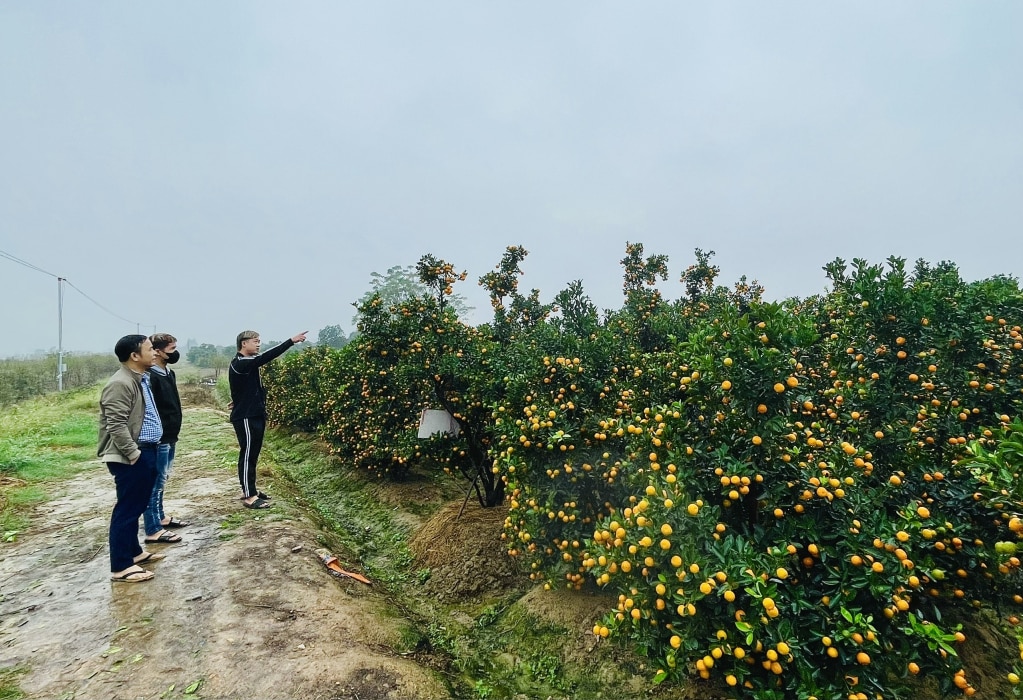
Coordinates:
<point>790,498</point>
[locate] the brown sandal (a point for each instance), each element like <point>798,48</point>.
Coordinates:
<point>133,576</point>
<point>150,556</point>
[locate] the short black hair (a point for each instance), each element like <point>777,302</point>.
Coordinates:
<point>127,345</point>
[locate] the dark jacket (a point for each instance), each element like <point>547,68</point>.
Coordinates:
<point>247,393</point>
<point>168,403</point>
<point>121,410</point>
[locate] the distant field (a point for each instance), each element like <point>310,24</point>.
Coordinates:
<point>23,379</point>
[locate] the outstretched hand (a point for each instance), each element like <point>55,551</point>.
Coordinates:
<point>299,338</point>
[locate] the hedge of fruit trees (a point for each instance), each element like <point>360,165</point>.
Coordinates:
<point>791,498</point>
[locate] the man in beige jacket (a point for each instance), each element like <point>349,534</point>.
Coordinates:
<point>129,435</point>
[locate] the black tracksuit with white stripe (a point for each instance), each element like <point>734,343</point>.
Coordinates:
<point>248,413</point>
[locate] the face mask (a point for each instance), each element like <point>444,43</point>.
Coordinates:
<point>173,357</point>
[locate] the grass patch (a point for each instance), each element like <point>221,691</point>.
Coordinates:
<point>229,525</point>
<point>76,431</point>
<point>354,520</point>
<point>518,654</point>
<point>43,413</point>
<point>42,442</point>
<point>9,689</point>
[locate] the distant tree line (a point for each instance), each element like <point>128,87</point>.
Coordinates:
<point>209,356</point>
<point>218,357</point>
<point>23,379</point>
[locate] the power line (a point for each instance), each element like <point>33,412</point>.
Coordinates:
<point>61,281</point>
<point>29,265</point>
<point>103,307</point>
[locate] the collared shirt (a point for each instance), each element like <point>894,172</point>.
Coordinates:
<point>152,428</point>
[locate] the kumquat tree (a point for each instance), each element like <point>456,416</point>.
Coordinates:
<point>803,499</point>
<point>410,356</point>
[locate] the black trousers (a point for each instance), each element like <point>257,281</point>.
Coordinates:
<point>134,484</point>
<point>250,442</point>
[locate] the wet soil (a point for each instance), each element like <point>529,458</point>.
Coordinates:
<point>241,608</point>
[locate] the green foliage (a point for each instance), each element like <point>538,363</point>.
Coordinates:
<point>332,336</point>
<point>9,689</point>
<point>43,440</point>
<point>298,383</point>
<point>789,498</point>
<point>998,469</point>
<point>211,356</point>
<point>408,357</point>
<point>781,474</point>
<point>399,285</point>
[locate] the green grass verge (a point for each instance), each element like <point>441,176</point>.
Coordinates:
<point>9,689</point>
<point>353,520</point>
<point>42,442</point>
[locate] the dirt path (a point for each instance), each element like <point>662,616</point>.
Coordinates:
<point>232,613</point>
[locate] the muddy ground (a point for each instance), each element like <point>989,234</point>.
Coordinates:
<point>246,611</point>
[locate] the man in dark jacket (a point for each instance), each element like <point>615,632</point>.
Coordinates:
<point>248,408</point>
<point>168,404</point>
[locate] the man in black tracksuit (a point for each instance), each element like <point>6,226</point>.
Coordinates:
<point>248,409</point>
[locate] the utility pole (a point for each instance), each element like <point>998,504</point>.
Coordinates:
<point>60,334</point>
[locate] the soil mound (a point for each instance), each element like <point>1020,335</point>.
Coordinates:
<point>464,554</point>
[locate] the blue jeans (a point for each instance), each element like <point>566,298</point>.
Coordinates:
<point>154,514</point>
<point>134,483</point>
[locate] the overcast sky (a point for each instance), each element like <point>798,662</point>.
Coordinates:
<point>207,167</point>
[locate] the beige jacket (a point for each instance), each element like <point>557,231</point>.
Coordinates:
<point>121,410</point>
